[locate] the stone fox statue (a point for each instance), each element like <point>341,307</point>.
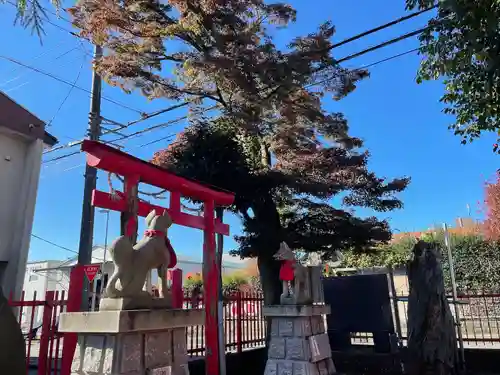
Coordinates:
<point>292,272</point>
<point>133,263</point>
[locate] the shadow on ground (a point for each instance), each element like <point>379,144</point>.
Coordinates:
<point>362,361</point>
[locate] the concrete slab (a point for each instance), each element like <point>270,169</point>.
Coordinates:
<point>129,320</point>
<point>296,310</point>
<point>136,303</point>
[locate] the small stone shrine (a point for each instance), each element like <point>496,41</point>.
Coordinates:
<point>299,343</point>
<point>134,333</point>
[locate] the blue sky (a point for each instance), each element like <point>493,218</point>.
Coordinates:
<point>401,123</point>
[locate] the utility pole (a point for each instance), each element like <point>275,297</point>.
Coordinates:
<point>87,225</point>
<point>454,296</point>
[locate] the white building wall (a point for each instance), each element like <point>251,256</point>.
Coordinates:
<point>35,286</point>
<point>20,161</point>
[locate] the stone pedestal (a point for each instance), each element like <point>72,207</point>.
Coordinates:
<point>299,343</point>
<point>136,303</point>
<point>131,342</point>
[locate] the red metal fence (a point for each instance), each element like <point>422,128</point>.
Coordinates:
<point>244,327</point>
<point>43,341</point>
<point>244,324</point>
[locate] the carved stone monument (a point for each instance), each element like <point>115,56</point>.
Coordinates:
<point>134,333</point>
<point>299,343</point>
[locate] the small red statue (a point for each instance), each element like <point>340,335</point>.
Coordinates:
<point>287,270</point>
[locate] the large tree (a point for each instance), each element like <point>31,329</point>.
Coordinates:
<point>221,53</point>
<point>282,202</point>
<point>33,14</point>
<point>491,224</point>
<point>209,54</point>
<point>462,47</point>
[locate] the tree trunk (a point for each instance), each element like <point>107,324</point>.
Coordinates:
<point>269,278</point>
<point>432,342</point>
<point>267,216</point>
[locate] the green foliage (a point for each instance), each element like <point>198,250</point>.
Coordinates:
<point>476,260</point>
<point>388,255</point>
<point>193,282</point>
<point>233,283</point>
<point>462,47</point>
<point>32,14</point>
<point>273,144</point>
<point>255,284</point>
<point>476,263</point>
<point>217,153</point>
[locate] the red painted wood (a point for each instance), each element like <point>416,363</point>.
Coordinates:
<point>175,276</point>
<point>43,356</point>
<point>211,274</point>
<point>175,202</point>
<point>74,302</point>
<point>107,201</point>
<point>131,199</point>
<point>110,159</point>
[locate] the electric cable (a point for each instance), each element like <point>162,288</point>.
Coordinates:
<point>50,75</point>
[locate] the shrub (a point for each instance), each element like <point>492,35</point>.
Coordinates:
<point>476,259</point>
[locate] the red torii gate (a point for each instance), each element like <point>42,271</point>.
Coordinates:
<point>135,171</point>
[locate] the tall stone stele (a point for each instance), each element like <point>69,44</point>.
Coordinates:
<point>299,343</point>
<point>134,333</point>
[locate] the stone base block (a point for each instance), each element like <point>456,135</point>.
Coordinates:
<point>129,320</point>
<point>287,367</point>
<point>161,353</point>
<point>302,326</point>
<point>299,344</point>
<point>130,342</point>
<point>296,310</point>
<point>136,303</point>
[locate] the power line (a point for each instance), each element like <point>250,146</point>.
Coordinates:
<point>59,246</point>
<point>23,74</point>
<point>156,113</point>
<point>381,27</point>
<point>67,95</point>
<point>12,71</point>
<point>352,56</point>
<point>162,125</point>
<point>61,147</point>
<point>166,138</point>
<point>50,75</point>
<point>382,45</point>
<point>343,42</point>
<point>391,57</point>
<point>53,244</point>
<point>125,137</point>
<point>171,135</point>
<point>61,157</point>
<point>72,144</point>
